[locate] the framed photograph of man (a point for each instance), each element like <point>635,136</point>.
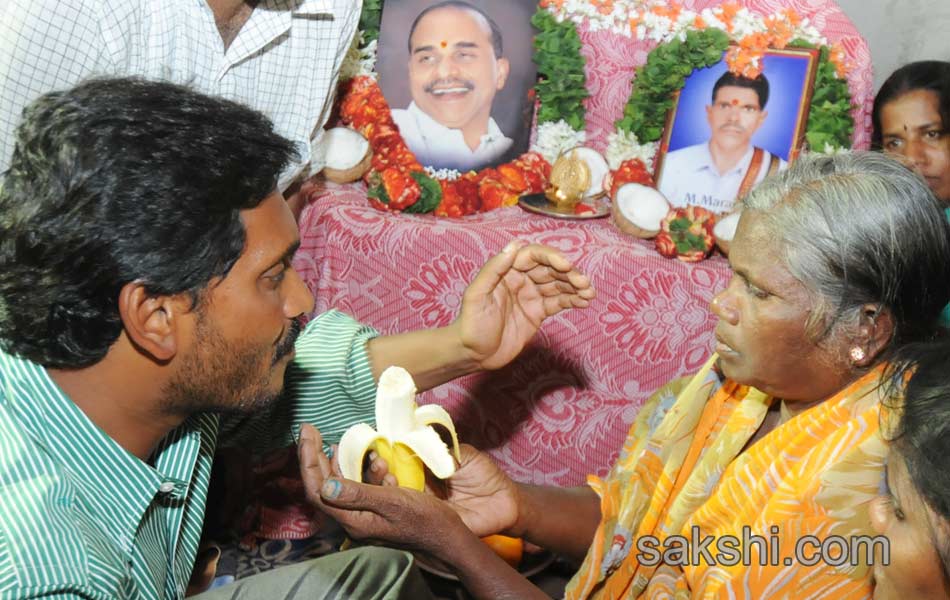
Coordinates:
<point>457,74</point>
<point>726,132</point>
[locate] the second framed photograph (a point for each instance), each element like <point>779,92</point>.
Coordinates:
<point>727,132</point>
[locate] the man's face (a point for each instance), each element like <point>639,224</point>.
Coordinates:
<point>453,72</point>
<point>246,323</point>
<point>735,115</point>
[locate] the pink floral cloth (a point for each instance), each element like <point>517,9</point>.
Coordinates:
<point>561,410</point>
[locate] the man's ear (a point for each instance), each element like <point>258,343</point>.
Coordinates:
<point>875,330</point>
<point>504,67</point>
<point>152,322</point>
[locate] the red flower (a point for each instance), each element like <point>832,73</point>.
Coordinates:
<point>401,188</point>
<point>629,171</point>
<point>687,234</point>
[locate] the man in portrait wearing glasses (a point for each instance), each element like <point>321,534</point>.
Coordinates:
<point>714,173</point>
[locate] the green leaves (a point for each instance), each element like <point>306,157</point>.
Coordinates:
<point>829,120</point>
<point>562,84</point>
<point>431,194</point>
<point>664,73</point>
<point>369,19</point>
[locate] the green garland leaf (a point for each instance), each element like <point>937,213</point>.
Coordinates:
<point>829,120</point>
<point>430,197</point>
<point>370,19</point>
<point>664,73</point>
<point>562,84</point>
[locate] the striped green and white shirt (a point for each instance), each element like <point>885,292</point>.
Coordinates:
<point>82,518</point>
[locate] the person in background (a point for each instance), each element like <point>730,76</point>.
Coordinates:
<point>281,58</point>
<point>777,433</point>
<point>149,314</point>
<point>914,511</point>
<point>911,116</point>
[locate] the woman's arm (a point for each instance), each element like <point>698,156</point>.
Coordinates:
<point>563,520</point>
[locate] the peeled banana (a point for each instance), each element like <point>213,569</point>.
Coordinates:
<point>404,436</point>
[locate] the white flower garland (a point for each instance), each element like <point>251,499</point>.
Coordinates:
<point>555,138</point>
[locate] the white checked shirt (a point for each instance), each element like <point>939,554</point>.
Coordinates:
<point>283,62</point>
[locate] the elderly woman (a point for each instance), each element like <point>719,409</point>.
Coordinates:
<point>836,261</point>
<point>914,513</point>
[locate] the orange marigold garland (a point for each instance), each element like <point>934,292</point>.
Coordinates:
<point>398,182</point>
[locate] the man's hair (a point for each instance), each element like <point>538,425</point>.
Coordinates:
<point>496,40</point>
<point>760,85</point>
<point>115,181</point>
<point>860,228</point>
<point>932,75</point>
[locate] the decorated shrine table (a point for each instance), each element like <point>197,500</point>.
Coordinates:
<point>562,409</point>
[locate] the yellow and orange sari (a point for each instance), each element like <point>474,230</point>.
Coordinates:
<point>681,473</point>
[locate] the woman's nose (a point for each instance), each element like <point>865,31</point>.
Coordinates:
<point>723,307</point>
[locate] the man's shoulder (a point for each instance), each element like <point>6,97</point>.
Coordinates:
<point>47,544</point>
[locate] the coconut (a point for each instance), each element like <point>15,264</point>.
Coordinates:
<point>347,154</point>
<point>725,230</point>
<point>599,169</point>
<point>638,210</point>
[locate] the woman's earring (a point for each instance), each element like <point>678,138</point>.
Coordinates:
<point>857,354</point>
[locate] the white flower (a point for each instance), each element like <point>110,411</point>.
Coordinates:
<point>554,138</point>
<point>360,59</point>
<point>829,149</point>
<point>444,174</point>
<point>623,146</point>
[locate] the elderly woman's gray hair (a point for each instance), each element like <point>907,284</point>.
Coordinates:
<point>859,228</point>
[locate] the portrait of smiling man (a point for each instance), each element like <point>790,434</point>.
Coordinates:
<point>714,173</point>
<point>456,67</point>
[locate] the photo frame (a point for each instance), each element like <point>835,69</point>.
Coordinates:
<point>438,78</point>
<point>725,133</point>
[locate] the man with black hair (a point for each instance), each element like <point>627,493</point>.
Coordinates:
<point>280,57</point>
<point>715,173</point>
<point>149,313</point>
<point>456,66</point>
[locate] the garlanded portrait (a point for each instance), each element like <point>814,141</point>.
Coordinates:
<point>727,132</point>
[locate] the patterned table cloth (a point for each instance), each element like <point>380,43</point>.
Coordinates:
<point>562,409</point>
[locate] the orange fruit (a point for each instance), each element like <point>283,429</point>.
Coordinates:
<point>509,548</point>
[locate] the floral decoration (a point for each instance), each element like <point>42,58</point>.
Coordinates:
<point>685,40</point>
<point>687,234</point>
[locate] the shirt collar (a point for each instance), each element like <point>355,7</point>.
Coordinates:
<point>427,123</point>
<point>706,161</point>
<point>108,475</point>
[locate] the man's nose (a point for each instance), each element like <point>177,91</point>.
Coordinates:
<point>447,68</point>
<point>298,301</point>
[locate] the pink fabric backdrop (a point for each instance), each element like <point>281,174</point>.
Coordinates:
<point>561,410</point>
